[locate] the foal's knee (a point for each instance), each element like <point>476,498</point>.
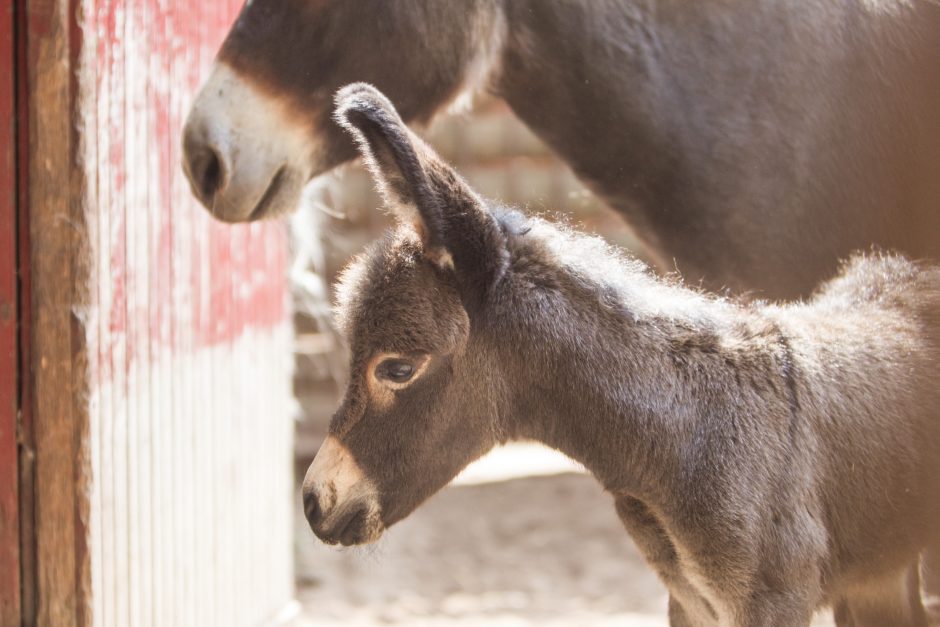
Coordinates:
<point>778,610</point>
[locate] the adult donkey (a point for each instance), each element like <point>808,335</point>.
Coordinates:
<point>749,142</point>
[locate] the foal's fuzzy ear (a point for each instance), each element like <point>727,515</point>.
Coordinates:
<point>390,150</point>
<point>420,188</point>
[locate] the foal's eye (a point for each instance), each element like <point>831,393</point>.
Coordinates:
<point>395,370</point>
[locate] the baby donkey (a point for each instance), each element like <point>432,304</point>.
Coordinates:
<point>767,459</point>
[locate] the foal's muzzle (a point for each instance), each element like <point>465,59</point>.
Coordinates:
<point>340,502</point>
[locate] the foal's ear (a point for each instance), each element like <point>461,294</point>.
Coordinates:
<point>420,188</point>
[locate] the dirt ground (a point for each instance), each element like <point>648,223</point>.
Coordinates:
<point>543,550</point>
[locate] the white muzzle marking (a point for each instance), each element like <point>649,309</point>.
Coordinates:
<point>259,142</point>
<point>338,482</point>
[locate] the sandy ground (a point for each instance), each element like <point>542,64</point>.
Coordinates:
<point>539,550</point>
<point>544,550</point>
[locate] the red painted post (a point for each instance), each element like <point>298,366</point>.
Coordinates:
<point>9,475</point>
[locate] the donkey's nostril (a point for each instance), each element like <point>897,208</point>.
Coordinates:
<point>312,507</point>
<point>351,533</point>
<point>206,173</point>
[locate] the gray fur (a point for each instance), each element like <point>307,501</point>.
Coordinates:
<point>768,459</point>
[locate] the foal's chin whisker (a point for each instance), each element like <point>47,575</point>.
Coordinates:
<point>373,551</point>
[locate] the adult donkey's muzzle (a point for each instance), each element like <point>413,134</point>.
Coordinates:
<point>245,153</point>
<point>206,169</point>
<point>340,502</point>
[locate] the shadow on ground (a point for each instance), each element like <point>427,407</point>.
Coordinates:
<point>538,550</point>
<point>530,551</point>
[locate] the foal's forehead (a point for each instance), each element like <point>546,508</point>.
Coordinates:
<point>385,282</point>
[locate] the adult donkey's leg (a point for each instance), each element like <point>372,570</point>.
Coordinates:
<point>894,600</point>
<point>930,567</point>
<point>842,614</point>
<point>677,614</point>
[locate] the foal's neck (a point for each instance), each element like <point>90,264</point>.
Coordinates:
<point>621,376</point>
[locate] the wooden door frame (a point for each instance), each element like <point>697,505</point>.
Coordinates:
<point>10,593</point>
<point>43,499</point>
<point>59,274</point>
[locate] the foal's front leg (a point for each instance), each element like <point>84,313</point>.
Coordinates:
<point>686,607</point>
<point>791,609</point>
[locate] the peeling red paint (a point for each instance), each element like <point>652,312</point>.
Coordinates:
<point>188,342</point>
<point>218,279</point>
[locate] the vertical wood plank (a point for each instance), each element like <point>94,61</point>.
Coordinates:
<point>57,340</point>
<point>103,541</point>
<point>86,127</point>
<point>27,451</point>
<point>130,209</point>
<point>183,302</point>
<point>117,95</point>
<point>160,227</point>
<point>9,466</point>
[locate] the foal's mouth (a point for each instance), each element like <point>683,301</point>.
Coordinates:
<point>263,206</point>
<point>340,502</point>
<point>357,525</point>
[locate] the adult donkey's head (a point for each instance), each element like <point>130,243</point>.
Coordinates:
<point>260,127</point>
<point>423,397</point>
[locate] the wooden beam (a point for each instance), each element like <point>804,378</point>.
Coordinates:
<point>59,282</point>
<point>9,467</point>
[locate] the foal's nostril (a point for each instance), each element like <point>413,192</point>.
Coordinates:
<point>312,507</point>
<point>206,172</point>
<point>351,532</point>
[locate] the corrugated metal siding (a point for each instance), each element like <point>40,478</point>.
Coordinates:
<point>189,344</point>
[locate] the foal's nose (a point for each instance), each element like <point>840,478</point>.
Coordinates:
<point>205,166</point>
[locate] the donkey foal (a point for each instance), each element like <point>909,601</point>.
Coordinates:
<point>767,459</point>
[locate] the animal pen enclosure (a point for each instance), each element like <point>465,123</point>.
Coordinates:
<point>145,445</point>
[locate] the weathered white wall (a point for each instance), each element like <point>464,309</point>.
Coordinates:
<point>189,345</point>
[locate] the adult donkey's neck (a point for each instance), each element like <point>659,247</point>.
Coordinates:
<point>633,377</point>
<point>747,142</point>
<point>584,76</point>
